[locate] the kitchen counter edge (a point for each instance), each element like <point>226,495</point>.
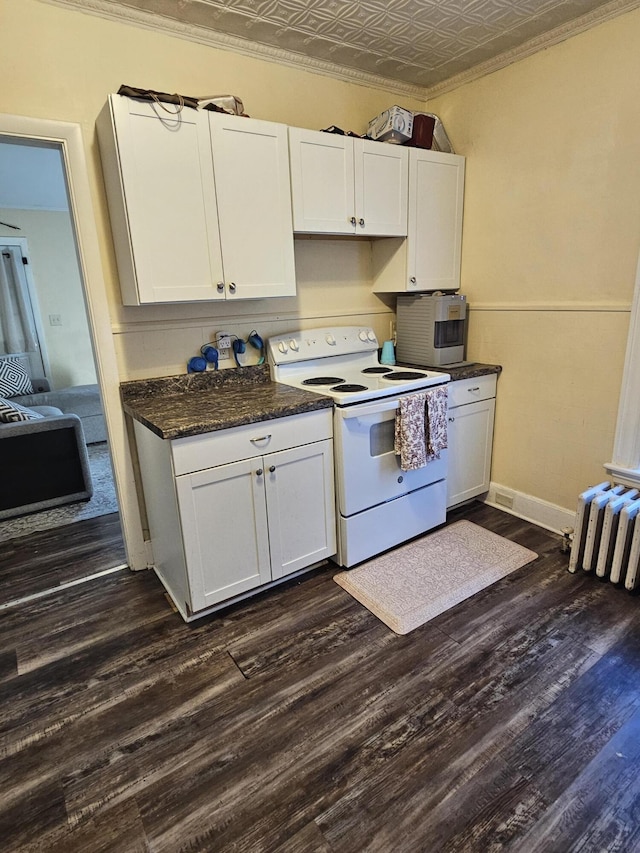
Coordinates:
<point>464,371</point>
<point>192,404</point>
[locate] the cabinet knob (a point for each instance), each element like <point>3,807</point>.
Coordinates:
<point>451,420</point>
<point>259,472</point>
<point>232,287</point>
<point>413,279</point>
<point>353,220</point>
<point>272,468</point>
<point>220,287</point>
<point>361,221</point>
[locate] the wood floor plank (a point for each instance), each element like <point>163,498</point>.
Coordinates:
<point>597,810</point>
<point>48,558</point>
<point>297,721</point>
<point>284,750</point>
<point>115,830</point>
<point>308,839</point>
<point>583,719</point>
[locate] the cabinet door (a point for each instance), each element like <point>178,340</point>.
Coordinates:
<point>251,164</point>
<point>470,440</point>
<point>300,503</point>
<point>224,528</point>
<point>168,249</point>
<point>321,182</point>
<point>434,242</point>
<point>381,188</point>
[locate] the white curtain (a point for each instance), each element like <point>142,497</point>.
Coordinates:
<point>17,331</point>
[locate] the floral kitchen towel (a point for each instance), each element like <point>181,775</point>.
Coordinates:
<point>410,436</point>
<point>421,428</point>
<point>436,428</point>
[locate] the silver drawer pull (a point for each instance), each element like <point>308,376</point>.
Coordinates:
<point>262,438</point>
<point>451,420</point>
<point>470,390</point>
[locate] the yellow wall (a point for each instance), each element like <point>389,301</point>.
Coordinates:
<point>550,247</point>
<point>75,60</point>
<point>551,215</point>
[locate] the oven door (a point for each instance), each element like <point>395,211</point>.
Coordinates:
<point>368,472</point>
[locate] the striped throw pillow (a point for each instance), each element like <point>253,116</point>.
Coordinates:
<point>14,379</point>
<point>12,412</point>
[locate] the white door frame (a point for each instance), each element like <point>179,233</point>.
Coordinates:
<point>69,137</point>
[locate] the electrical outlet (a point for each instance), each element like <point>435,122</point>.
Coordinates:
<point>55,319</point>
<point>223,345</point>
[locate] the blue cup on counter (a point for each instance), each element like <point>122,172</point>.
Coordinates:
<point>388,355</point>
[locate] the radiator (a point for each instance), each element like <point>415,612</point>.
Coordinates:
<point>606,539</point>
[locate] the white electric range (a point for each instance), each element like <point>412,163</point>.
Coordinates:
<point>378,504</point>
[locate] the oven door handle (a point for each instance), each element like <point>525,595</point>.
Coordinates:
<point>372,409</point>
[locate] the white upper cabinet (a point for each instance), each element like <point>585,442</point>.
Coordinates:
<point>199,203</point>
<point>251,165</point>
<point>343,185</point>
<point>161,192</point>
<point>429,259</point>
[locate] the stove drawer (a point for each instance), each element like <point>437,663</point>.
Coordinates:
<point>198,452</point>
<point>464,391</point>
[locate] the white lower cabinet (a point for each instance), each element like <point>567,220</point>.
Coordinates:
<point>232,526</point>
<point>470,437</point>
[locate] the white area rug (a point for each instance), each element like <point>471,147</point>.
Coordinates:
<point>103,501</point>
<point>414,583</point>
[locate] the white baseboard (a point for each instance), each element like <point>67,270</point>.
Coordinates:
<point>544,514</point>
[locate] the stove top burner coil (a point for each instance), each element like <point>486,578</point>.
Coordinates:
<point>322,380</point>
<point>348,388</point>
<point>377,370</point>
<point>404,375</point>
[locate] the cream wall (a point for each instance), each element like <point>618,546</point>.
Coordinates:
<point>550,247</point>
<point>551,215</point>
<point>54,266</point>
<point>82,58</point>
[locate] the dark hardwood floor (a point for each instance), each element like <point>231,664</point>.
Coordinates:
<point>48,558</point>
<point>297,722</point>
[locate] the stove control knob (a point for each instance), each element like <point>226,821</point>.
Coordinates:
<point>363,336</point>
<point>331,340</point>
<point>283,347</point>
<point>293,344</point>
<point>371,335</point>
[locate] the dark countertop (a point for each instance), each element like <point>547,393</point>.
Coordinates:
<point>467,371</point>
<point>195,403</point>
<point>191,404</point>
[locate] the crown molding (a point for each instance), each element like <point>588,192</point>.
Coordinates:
<point>245,47</point>
<point>585,22</point>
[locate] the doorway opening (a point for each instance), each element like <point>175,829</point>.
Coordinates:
<point>44,329</point>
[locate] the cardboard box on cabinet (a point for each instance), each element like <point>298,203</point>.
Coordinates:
<point>392,125</point>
